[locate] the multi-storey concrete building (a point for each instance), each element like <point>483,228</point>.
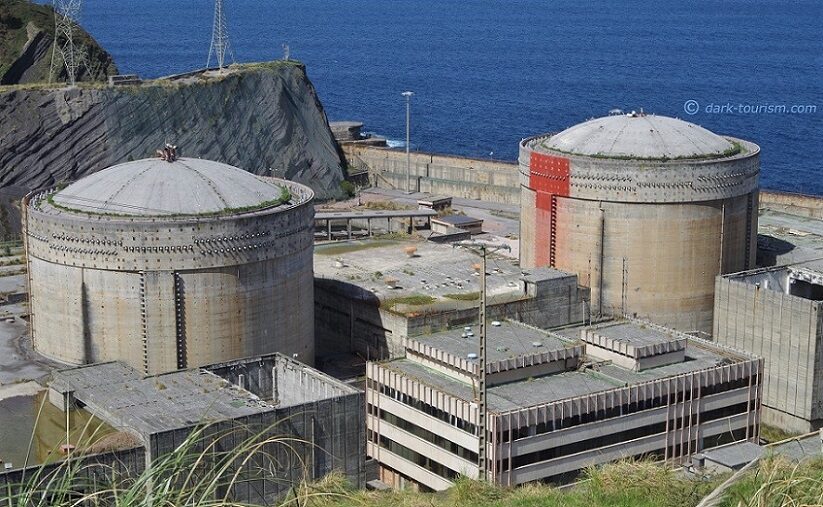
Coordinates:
<point>777,313</point>
<point>370,296</point>
<point>557,401</point>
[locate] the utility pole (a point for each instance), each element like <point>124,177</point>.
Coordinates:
<point>408,96</point>
<point>482,427</point>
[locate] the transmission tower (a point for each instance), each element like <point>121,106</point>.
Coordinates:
<point>64,53</point>
<point>219,37</point>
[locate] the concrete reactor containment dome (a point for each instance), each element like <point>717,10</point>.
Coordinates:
<point>646,209</point>
<point>171,263</point>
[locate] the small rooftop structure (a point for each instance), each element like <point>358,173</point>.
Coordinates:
<point>449,223</point>
<point>633,346</point>
<point>511,345</point>
<point>731,457</point>
<point>435,202</point>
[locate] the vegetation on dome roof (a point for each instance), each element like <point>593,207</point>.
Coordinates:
<point>285,197</point>
<point>736,148</point>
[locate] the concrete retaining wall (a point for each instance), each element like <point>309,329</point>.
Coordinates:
<point>466,178</point>
<point>346,324</point>
<point>795,204</point>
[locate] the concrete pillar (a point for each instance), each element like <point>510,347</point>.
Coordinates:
<point>328,227</point>
<point>161,321</point>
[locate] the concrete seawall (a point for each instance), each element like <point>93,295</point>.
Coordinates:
<point>497,181</point>
<point>487,180</point>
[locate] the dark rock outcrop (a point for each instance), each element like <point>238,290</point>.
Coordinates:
<point>26,42</point>
<point>265,118</point>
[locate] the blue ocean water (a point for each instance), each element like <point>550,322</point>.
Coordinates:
<point>487,73</point>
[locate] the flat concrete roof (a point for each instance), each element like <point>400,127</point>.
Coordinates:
<point>509,340</point>
<point>569,384</point>
<point>787,238</point>
<point>535,275</point>
<point>514,395</point>
<point>458,220</point>
<point>435,274</point>
<point>815,268</point>
<point>634,339</point>
<point>734,455</point>
<point>123,398</point>
<point>346,215</point>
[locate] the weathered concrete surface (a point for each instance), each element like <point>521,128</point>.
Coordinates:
<point>435,289</point>
<point>164,292</point>
<point>264,118</point>
<point>487,180</point>
<point>645,226</point>
<point>755,312</point>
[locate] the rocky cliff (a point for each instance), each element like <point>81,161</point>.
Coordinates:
<point>265,118</point>
<point>26,41</point>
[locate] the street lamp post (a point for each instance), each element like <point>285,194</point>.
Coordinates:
<point>408,96</point>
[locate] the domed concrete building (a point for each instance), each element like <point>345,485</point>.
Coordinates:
<point>169,264</point>
<point>646,209</point>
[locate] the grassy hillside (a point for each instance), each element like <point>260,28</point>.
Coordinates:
<point>20,20</point>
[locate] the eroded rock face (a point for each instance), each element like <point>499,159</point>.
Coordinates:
<point>265,118</point>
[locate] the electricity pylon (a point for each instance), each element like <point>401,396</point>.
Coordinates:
<point>219,37</point>
<point>64,53</point>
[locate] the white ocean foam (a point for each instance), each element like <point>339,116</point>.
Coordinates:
<point>392,143</point>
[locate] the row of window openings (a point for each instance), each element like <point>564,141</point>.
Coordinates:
<point>563,450</point>
<point>677,450</point>
<point>566,422</point>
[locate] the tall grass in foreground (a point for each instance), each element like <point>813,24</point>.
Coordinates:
<point>778,482</point>
<point>623,484</point>
<point>209,467</point>
<point>205,470</point>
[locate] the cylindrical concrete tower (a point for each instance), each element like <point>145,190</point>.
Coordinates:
<point>171,264</point>
<point>646,209</point>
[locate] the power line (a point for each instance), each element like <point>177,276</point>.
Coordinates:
<point>482,248</point>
